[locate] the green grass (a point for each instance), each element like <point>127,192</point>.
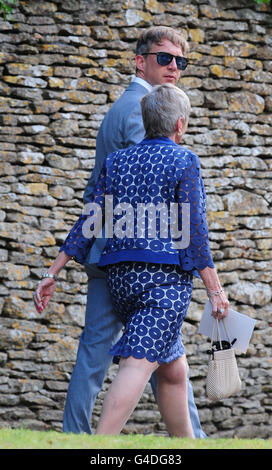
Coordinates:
<point>27,439</point>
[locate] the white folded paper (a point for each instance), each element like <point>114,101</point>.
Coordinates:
<point>238,325</point>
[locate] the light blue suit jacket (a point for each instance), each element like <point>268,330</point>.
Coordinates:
<point>121,127</point>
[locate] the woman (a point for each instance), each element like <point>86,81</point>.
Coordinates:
<point>151,255</point>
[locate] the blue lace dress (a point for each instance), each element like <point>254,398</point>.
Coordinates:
<point>149,277</point>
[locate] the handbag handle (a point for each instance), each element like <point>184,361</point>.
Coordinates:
<point>216,322</point>
<point>226,331</point>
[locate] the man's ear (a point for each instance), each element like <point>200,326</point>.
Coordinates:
<point>140,61</point>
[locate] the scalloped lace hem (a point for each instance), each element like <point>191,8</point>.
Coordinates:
<point>176,351</point>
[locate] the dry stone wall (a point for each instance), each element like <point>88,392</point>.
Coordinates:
<point>63,64</point>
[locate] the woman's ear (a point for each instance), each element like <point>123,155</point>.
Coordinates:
<point>180,126</point>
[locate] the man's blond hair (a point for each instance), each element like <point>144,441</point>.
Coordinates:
<point>156,34</point>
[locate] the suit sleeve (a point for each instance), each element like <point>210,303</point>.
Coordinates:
<point>130,132</point>
<point>133,127</point>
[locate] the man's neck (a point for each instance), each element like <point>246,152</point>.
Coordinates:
<point>143,82</point>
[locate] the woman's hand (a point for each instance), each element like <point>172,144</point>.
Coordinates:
<point>47,285</point>
<point>217,296</point>
<point>220,305</point>
<point>43,294</point>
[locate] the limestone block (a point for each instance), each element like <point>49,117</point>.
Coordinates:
<point>154,6</point>
<point>50,415</point>
<point>14,272</point>
<point>52,224</point>
<point>27,157</point>
<point>14,338</point>
<point>25,81</point>
<point>214,203</point>
<point>64,350</point>
<point>262,89</point>
<point>251,163</point>
<point>268,103</point>
<point>3,253</point>
<point>54,313</point>
<point>146,416</point>
<point>264,129</point>
<point>240,202</point>
<point>190,83</point>
<point>74,96</point>
<point>26,385</point>
<point>257,76</point>
<point>38,129</point>
<point>251,293</point>
<point>76,314</point>
<point>194,312</point>
<point>38,238</point>
<point>212,12</point>
<point>256,223</point>
<point>222,72</point>
<point>216,100</point>
<point>34,189</point>
<point>63,71</point>
<point>234,48</point>
<point>8,400</point>
<point>217,136</point>
<point>218,162</point>
<point>134,17</point>
<point>196,97</point>
<point>27,255</point>
<point>47,106</point>
<point>28,70</point>
<point>264,244</point>
<point>6,57</point>
<point>57,161</point>
<point>56,385</point>
<point>246,102</point>
<point>55,82</point>
<point>14,413</point>
<point>249,431</point>
<point>32,398</point>
<point>65,127</point>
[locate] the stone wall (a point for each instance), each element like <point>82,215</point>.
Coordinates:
<point>63,64</point>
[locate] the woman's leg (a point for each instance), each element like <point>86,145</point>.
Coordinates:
<point>124,394</point>
<point>101,330</point>
<point>173,399</point>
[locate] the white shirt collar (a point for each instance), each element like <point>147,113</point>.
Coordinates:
<point>143,82</point>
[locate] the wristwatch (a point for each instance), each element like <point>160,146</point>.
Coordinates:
<point>52,276</point>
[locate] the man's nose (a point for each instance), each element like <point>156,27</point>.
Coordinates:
<point>173,64</point>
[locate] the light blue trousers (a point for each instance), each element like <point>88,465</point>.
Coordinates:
<point>101,331</point>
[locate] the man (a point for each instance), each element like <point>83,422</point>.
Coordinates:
<point>160,57</point>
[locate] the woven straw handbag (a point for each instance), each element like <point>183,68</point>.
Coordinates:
<point>223,378</point>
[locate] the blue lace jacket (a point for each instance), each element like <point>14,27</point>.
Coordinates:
<point>158,174</point>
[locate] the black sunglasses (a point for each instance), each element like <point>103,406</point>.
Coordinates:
<point>164,58</point>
